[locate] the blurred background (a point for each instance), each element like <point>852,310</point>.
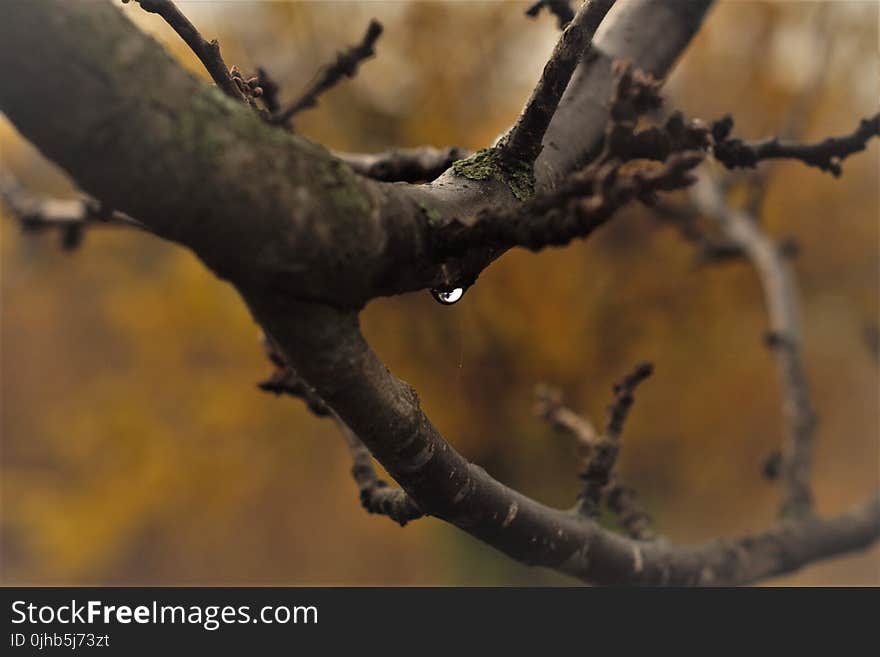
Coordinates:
<point>137,449</point>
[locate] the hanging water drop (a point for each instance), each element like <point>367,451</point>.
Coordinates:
<point>448,297</point>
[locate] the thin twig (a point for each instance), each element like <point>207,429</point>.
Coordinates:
<point>599,454</point>
<point>597,474</point>
<point>826,155</point>
<point>802,105</point>
<point>573,210</point>
<point>523,142</point>
<point>207,52</point>
<point>345,66</point>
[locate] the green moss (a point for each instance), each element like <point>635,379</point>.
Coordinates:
<point>494,163</point>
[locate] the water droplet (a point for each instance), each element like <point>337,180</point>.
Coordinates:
<point>448,297</point>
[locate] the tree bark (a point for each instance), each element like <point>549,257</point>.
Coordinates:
<point>307,242</point>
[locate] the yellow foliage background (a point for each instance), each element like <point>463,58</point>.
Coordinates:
<point>136,448</point>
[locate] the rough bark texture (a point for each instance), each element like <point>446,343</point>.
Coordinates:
<point>307,242</point>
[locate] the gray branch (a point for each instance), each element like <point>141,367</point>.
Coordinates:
<point>781,300</point>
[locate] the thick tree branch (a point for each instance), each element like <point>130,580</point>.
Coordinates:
<point>146,137</point>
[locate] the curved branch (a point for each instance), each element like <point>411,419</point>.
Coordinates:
<point>365,394</point>
<point>781,298</point>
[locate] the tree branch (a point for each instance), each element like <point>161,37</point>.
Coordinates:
<point>523,141</point>
<point>375,494</point>
<point>306,242</point>
<point>69,216</point>
<point>597,475</point>
<point>359,387</point>
<point>207,52</point>
<point>781,298</point>
<point>422,164</point>
<point>559,8</point>
<point>574,210</point>
<point>599,453</point>
<point>826,155</point>
<point>345,66</point>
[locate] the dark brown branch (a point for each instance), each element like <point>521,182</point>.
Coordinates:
<point>784,337</point>
<point>523,142</point>
<point>597,473</point>
<point>413,165</point>
<point>559,8</point>
<point>826,155</point>
<point>574,210</point>
<point>207,52</point>
<point>558,216</point>
<point>623,399</point>
<point>364,393</point>
<point>345,66</point>
<point>285,381</point>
